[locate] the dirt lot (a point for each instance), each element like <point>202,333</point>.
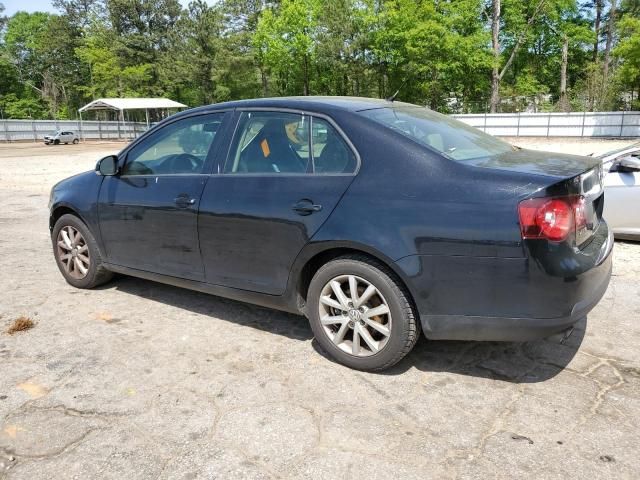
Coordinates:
<point>140,380</point>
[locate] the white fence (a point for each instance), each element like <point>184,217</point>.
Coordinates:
<point>35,130</point>
<point>577,124</point>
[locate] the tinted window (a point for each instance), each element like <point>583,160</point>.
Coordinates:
<point>270,142</point>
<point>179,148</point>
<point>330,152</point>
<point>453,138</point>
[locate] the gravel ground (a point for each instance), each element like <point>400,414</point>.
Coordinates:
<point>141,380</point>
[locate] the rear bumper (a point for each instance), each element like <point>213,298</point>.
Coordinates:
<point>508,299</point>
<point>512,329</point>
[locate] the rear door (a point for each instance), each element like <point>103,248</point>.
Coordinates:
<point>148,213</point>
<point>284,175</point>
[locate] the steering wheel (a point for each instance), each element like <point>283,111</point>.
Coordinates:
<point>184,163</point>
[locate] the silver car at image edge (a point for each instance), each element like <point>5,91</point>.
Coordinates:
<point>621,168</point>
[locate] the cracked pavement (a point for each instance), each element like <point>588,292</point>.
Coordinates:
<point>142,380</point>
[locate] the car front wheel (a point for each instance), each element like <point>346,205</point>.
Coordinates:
<point>361,313</point>
<point>77,253</point>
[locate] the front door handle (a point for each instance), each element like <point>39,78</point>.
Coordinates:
<point>183,201</point>
<point>306,207</point>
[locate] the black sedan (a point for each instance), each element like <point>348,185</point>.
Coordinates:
<point>375,219</point>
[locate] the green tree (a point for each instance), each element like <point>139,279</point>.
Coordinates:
<point>81,13</point>
<point>433,51</point>
<point>285,43</point>
<point>628,53</point>
<point>140,29</point>
<point>26,47</point>
<point>190,66</point>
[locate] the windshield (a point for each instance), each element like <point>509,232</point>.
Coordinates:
<point>453,138</point>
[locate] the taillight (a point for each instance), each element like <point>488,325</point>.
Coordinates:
<point>551,218</point>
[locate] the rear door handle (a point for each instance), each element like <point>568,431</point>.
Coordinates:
<point>306,207</point>
<point>183,201</point>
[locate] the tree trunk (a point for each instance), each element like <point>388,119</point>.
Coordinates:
<point>596,28</point>
<point>495,41</point>
<point>564,101</point>
<point>265,83</point>
<point>607,48</point>
<point>306,76</point>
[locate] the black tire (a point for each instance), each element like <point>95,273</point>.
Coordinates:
<point>405,328</point>
<point>75,141</point>
<point>56,142</point>
<point>97,274</point>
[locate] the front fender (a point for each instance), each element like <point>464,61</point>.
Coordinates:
<point>78,195</point>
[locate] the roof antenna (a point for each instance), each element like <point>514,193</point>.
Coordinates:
<point>394,96</point>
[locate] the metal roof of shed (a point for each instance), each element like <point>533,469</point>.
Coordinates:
<point>131,104</point>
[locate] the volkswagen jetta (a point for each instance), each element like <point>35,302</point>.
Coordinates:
<point>375,219</point>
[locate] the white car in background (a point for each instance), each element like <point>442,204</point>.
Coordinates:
<point>61,136</point>
<point>622,191</point>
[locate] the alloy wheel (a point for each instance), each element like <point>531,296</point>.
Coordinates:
<point>73,252</point>
<point>355,315</point>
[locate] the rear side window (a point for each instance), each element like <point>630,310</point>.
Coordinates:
<point>281,143</point>
<point>270,142</point>
<point>455,139</point>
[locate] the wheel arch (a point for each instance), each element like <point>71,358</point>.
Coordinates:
<point>314,257</point>
<point>60,210</point>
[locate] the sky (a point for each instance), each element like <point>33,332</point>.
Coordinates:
<point>12,6</point>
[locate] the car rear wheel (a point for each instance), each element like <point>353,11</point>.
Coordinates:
<point>75,141</point>
<point>361,313</point>
<point>77,253</point>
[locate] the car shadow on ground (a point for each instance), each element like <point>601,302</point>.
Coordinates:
<point>239,313</point>
<point>516,362</point>
<point>526,362</point>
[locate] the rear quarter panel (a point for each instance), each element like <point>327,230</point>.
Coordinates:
<point>407,200</point>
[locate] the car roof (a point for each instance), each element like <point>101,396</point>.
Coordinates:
<point>315,104</point>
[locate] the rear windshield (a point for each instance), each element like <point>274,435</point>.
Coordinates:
<point>455,139</point>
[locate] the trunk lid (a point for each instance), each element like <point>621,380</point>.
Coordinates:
<point>575,180</point>
<point>532,162</point>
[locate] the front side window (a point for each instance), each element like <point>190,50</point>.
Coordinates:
<point>270,142</point>
<point>178,148</point>
<point>455,139</point>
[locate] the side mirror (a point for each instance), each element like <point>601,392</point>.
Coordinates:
<point>629,164</point>
<point>107,166</point>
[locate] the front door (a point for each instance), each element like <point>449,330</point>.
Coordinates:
<point>284,175</point>
<point>148,213</point>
